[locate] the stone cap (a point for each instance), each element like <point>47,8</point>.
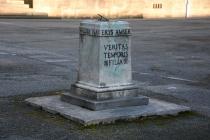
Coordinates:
<point>105,28</point>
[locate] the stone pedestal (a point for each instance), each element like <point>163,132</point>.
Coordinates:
<point>105,75</point>
<point>104,81</point>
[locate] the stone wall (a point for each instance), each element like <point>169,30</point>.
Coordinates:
<point>90,8</point>
<point>14,7</point>
<point>176,8</point>
<point>29,2</point>
<point>164,8</point>
<point>118,8</point>
<point>199,8</point>
<point>124,8</point>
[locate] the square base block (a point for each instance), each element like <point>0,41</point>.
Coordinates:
<point>53,104</point>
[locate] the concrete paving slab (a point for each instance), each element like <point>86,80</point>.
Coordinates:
<point>195,97</point>
<point>53,104</point>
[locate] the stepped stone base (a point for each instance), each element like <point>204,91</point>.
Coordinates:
<point>95,98</point>
<point>106,104</point>
<point>105,93</point>
<point>53,104</point>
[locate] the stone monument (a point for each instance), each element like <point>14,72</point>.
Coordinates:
<point>104,91</point>
<point>105,75</point>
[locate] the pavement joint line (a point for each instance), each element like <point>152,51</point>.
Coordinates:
<point>57,60</point>
<point>180,79</point>
<point>144,73</point>
<point>6,23</point>
<point>169,77</point>
<point>3,53</point>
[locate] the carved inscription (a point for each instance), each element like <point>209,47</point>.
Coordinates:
<point>108,32</point>
<point>90,32</point>
<point>115,54</point>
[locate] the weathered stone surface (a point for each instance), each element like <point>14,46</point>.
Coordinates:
<point>104,104</point>
<point>54,105</point>
<point>105,93</point>
<point>125,8</point>
<point>105,59</point>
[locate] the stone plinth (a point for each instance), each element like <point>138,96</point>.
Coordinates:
<point>54,105</point>
<point>105,75</point>
<point>104,91</point>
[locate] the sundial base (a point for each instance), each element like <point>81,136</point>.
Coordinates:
<point>55,105</point>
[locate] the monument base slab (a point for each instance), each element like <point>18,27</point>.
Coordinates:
<point>55,105</point>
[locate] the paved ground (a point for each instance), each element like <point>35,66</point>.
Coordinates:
<point>171,61</point>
